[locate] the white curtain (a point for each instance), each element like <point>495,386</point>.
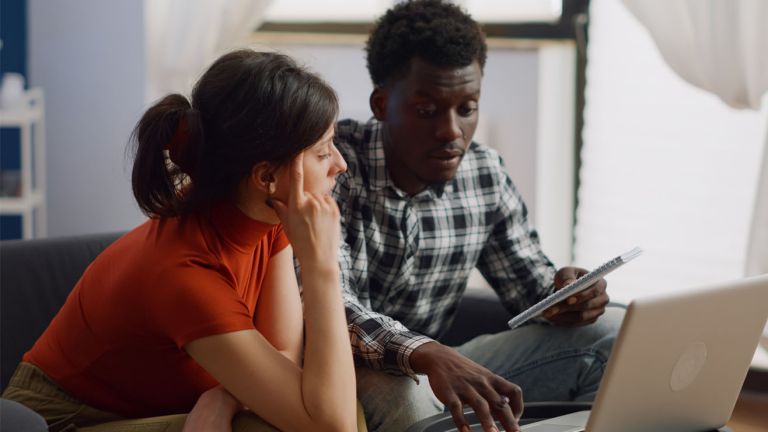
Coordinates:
<point>720,46</point>
<point>184,36</point>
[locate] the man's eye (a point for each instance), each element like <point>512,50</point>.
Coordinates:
<point>468,110</point>
<point>425,111</point>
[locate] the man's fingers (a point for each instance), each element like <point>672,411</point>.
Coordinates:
<point>513,394</point>
<point>565,276</point>
<point>568,275</point>
<point>577,318</point>
<point>503,412</point>
<point>597,289</point>
<point>599,302</point>
<point>482,411</point>
<point>573,303</point>
<point>502,409</point>
<point>456,408</point>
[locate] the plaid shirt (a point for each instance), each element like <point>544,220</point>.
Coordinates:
<point>406,260</point>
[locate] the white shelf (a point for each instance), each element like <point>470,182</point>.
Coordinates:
<point>17,205</point>
<point>30,204</point>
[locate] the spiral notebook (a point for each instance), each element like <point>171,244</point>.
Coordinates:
<point>577,286</point>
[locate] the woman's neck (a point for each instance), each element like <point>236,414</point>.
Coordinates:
<point>253,204</point>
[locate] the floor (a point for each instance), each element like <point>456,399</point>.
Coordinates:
<point>751,413</point>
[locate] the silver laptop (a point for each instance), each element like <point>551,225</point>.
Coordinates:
<point>678,363</point>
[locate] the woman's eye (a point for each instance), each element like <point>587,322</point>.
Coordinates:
<point>325,156</point>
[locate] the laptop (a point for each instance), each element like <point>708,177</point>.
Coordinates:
<point>678,364</point>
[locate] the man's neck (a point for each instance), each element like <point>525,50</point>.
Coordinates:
<point>409,184</point>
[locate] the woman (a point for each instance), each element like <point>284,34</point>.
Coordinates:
<point>199,306</point>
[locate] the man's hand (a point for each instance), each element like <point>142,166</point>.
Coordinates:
<point>579,309</point>
<point>458,381</point>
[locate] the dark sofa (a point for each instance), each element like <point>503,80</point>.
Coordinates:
<point>37,275</point>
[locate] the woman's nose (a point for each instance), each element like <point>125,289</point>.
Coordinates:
<point>339,164</point>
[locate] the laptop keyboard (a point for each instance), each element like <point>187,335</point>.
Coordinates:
<point>551,428</point>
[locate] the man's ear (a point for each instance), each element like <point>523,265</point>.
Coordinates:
<point>378,102</point>
<point>263,177</point>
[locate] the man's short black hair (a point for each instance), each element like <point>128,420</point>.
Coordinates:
<point>435,31</point>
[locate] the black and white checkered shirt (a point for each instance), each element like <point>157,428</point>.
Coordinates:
<point>406,259</point>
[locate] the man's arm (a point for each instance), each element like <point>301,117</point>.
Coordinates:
<point>378,341</point>
<point>512,260</point>
<point>521,274</point>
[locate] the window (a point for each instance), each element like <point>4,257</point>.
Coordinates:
<point>345,11</point>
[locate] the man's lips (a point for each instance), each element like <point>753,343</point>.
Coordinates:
<point>446,154</point>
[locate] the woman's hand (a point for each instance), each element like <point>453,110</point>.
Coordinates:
<point>214,410</point>
<point>311,221</point>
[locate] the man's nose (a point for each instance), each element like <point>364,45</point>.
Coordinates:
<point>448,129</point>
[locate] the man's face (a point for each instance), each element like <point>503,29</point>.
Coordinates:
<point>429,118</point>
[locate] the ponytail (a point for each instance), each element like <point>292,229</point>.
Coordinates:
<point>165,157</point>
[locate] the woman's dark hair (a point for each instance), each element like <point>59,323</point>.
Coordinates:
<point>437,32</point>
<point>248,107</point>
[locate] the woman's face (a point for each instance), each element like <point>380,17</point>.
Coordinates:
<point>322,163</point>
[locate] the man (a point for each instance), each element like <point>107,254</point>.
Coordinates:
<point>421,206</point>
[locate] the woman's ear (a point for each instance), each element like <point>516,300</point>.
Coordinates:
<point>378,103</point>
<point>263,177</point>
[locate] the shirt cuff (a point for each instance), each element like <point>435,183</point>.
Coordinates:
<point>404,344</point>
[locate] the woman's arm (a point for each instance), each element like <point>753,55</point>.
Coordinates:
<point>274,387</point>
<point>278,318</point>
<point>279,313</point>
<point>322,395</point>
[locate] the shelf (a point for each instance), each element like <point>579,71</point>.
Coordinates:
<point>30,110</point>
<point>29,118</point>
<point>16,205</point>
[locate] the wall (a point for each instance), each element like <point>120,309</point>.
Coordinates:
<point>88,56</point>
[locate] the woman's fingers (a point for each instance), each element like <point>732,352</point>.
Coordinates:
<point>296,191</point>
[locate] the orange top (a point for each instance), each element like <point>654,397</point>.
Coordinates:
<point>116,344</point>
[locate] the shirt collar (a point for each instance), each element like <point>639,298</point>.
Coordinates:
<point>236,228</point>
<point>378,177</point>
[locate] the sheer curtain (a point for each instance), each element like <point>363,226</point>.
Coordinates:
<point>184,36</point>
<point>720,46</point>
<point>665,165</point>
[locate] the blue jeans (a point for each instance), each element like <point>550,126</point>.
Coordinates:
<point>548,363</point>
